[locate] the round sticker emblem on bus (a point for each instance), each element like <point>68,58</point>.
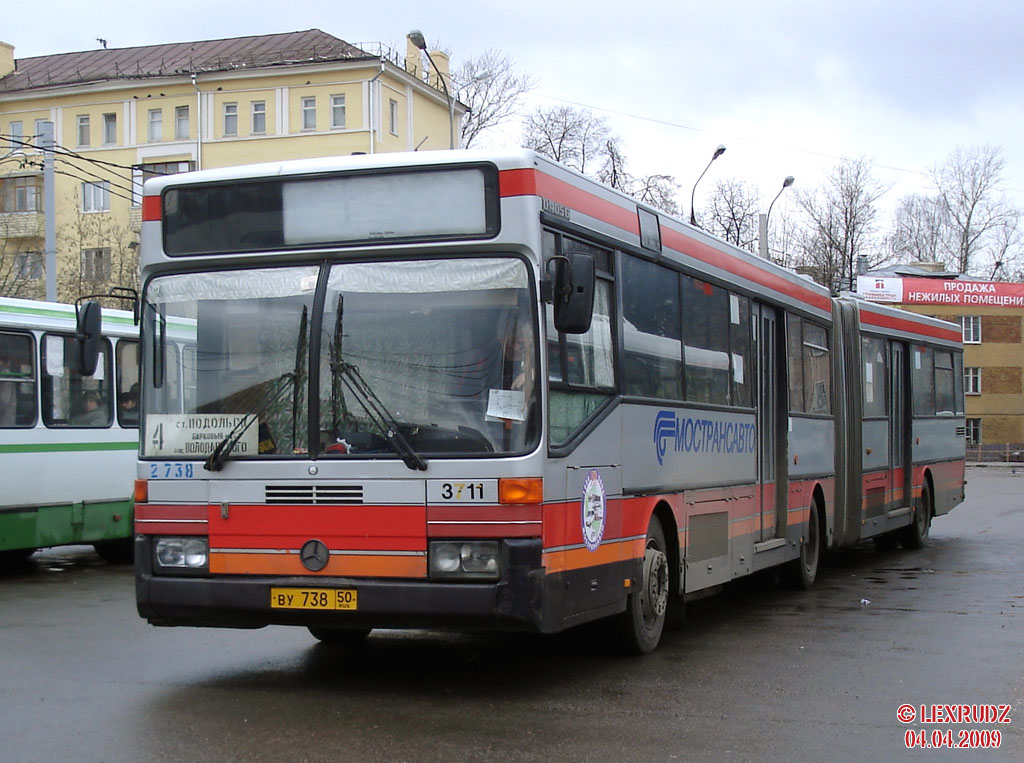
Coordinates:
<point>593,510</point>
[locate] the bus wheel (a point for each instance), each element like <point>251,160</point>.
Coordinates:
<point>120,551</point>
<point>340,636</point>
<point>915,535</point>
<point>10,560</point>
<point>802,571</point>
<point>644,619</point>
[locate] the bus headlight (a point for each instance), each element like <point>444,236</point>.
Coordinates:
<point>476,560</point>
<point>181,553</point>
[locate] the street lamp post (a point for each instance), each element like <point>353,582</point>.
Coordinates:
<point>718,152</point>
<point>417,39</point>
<point>763,219</point>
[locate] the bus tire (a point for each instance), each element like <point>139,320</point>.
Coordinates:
<point>11,560</point>
<point>120,551</point>
<point>915,535</point>
<point>339,636</point>
<point>641,625</point>
<point>801,573</point>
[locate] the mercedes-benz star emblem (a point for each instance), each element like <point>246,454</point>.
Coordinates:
<point>314,555</point>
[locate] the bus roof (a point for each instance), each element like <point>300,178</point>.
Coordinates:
<point>562,193</point>
<point>27,313</point>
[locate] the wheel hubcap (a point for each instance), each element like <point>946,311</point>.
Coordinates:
<point>654,596</point>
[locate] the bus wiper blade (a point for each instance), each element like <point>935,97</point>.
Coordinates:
<point>379,415</point>
<point>215,461</point>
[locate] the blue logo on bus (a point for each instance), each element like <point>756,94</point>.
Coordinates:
<point>686,434</point>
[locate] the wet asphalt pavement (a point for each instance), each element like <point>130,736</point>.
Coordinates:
<point>758,673</point>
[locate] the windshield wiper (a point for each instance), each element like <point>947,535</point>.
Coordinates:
<point>378,414</point>
<point>215,461</point>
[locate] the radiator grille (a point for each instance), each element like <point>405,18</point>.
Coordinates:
<point>346,495</point>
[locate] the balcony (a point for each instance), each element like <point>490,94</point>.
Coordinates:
<point>22,224</point>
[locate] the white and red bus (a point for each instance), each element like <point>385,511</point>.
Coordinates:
<point>481,391</point>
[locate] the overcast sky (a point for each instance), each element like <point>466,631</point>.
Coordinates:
<point>789,87</point>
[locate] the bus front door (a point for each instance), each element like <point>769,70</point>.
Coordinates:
<point>765,338</point>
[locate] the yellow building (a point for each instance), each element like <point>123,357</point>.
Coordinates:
<point>122,115</point>
<point>991,315</point>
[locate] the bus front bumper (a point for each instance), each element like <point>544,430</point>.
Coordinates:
<point>515,602</point>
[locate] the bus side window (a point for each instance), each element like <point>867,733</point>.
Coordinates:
<point>17,381</point>
<point>126,357</point>
<point>69,399</point>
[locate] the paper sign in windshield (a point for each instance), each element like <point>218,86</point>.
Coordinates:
<point>197,434</point>
<point>506,404</point>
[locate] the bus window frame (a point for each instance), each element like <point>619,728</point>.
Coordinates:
<point>17,381</point>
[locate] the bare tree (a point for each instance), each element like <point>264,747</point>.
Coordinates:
<point>492,88</point>
<point>574,137</point>
<point>920,231</point>
<point>613,169</point>
<point>96,253</point>
<point>1006,253</point>
<point>734,213</point>
<point>659,191</point>
<point>840,223</point>
<point>969,189</point>
<point>21,260</point>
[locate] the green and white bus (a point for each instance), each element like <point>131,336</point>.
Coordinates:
<point>68,441</point>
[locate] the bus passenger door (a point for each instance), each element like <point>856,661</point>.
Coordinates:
<point>899,428</point>
<point>766,350</point>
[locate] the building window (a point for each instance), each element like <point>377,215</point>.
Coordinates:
<point>974,431</point>
<point>109,129</point>
<point>17,135</point>
<point>972,328</point>
<point>83,130</point>
<point>143,172</point>
<point>96,264</point>
<point>96,196</point>
<point>309,113</point>
<point>28,266</point>
<point>19,194</point>
<point>156,125</point>
<point>159,169</point>
<point>181,122</point>
<point>337,112</point>
<point>393,116</point>
<point>259,117</point>
<point>230,119</point>
<point>972,380</point>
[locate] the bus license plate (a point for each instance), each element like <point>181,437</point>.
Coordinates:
<point>314,598</point>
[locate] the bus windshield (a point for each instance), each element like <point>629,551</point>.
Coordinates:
<point>434,357</point>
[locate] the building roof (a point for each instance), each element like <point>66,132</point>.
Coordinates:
<point>175,59</point>
<point>919,270</point>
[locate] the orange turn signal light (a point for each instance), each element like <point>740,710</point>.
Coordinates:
<point>521,490</point>
<point>141,491</point>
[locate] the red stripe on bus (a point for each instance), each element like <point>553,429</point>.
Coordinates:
<point>531,182</point>
<point>911,327</point>
<point>171,512</point>
<point>535,183</point>
<point>152,209</point>
<point>517,183</point>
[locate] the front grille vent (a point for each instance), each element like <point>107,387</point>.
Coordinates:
<point>961,431</point>
<point>345,495</point>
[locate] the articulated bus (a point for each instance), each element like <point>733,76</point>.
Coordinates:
<point>69,441</point>
<point>481,391</point>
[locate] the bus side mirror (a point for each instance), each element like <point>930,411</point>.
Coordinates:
<point>87,338</point>
<point>573,296</point>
